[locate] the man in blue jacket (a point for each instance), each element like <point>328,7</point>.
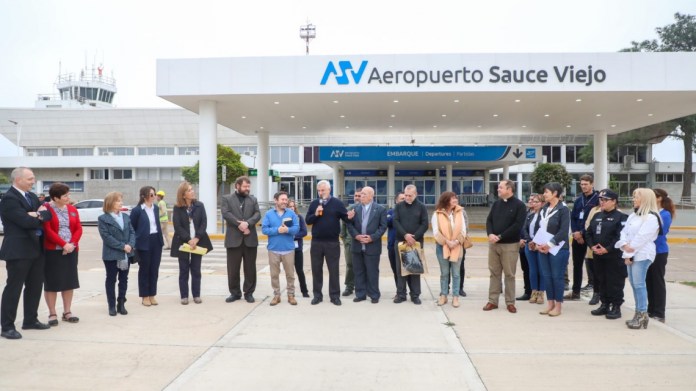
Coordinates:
<point>281,225</point>
<point>581,209</point>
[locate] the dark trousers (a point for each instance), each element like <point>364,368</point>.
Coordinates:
<point>391,253</point>
<point>149,262</point>
<point>236,257</point>
<point>525,271</point>
<point>578,254</point>
<point>349,281</point>
<point>189,264</point>
<point>611,272</point>
<point>366,268</point>
<point>657,290</point>
<point>589,267</point>
<point>112,273</point>
<point>331,251</point>
<point>30,274</point>
<point>299,271</point>
<point>462,271</point>
<point>413,281</point>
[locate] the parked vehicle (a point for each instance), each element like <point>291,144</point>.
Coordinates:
<point>90,210</point>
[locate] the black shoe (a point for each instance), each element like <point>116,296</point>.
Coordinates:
<point>573,296</point>
<point>462,294</point>
<point>305,294</point>
<point>601,310</point>
<point>232,298</point>
<point>614,312</point>
<point>566,287</point>
<point>587,287</point>
<point>595,299</point>
<point>316,300</point>
<point>399,299</point>
<point>336,301</point>
<point>347,292</point>
<point>375,301</point>
<point>359,299</point>
<point>112,311</point>
<point>523,297</point>
<point>121,306</point>
<point>249,298</point>
<point>11,334</point>
<point>416,300</point>
<point>36,326</point>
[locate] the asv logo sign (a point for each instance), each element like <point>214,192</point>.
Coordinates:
<point>346,69</point>
<point>337,153</point>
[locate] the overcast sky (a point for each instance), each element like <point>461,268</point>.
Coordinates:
<point>39,37</point>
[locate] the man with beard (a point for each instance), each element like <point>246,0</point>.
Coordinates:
<point>241,212</point>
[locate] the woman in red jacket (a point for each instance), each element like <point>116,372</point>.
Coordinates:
<point>61,233</point>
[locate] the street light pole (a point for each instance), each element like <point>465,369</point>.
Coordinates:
<point>308,32</point>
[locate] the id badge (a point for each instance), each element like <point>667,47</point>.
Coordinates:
<point>582,214</point>
<point>599,229</point>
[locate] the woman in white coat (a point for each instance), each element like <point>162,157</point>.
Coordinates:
<point>638,245</point>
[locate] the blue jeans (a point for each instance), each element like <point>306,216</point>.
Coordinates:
<point>448,268</point>
<point>636,275</point>
<point>536,281</point>
<point>553,269</point>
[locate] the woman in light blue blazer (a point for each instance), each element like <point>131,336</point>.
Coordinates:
<point>119,241</point>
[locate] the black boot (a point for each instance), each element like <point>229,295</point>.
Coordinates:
<point>601,310</point>
<point>121,306</point>
<point>112,311</point>
<point>595,299</point>
<point>614,312</point>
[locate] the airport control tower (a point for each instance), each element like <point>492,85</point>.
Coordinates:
<point>91,88</point>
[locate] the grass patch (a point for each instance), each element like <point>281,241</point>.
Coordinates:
<point>689,283</point>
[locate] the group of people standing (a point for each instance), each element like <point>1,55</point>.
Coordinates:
<point>612,244</point>
<point>42,241</point>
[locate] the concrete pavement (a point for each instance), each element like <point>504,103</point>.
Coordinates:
<point>384,346</point>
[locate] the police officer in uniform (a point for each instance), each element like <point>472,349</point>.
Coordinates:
<point>610,272</point>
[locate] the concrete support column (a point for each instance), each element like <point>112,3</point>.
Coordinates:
<point>438,188</point>
<point>338,182</point>
<point>391,186</point>
<point>506,172</point>
<point>519,186</point>
<point>486,181</point>
<point>263,164</point>
<point>601,177</point>
<point>448,180</point>
<point>207,144</point>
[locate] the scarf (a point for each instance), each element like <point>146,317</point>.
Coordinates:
<point>447,232</point>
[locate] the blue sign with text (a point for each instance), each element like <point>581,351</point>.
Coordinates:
<point>413,154</point>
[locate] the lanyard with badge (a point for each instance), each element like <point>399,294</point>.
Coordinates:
<point>582,212</point>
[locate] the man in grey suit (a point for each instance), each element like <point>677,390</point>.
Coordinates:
<point>367,227</point>
<point>241,212</point>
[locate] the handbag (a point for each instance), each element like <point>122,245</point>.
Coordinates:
<point>467,242</point>
<point>412,259</point>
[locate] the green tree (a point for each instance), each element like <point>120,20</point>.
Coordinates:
<point>550,172</point>
<point>679,36</point>
<point>4,179</point>
<point>226,157</point>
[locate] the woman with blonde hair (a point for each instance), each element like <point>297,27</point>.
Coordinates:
<point>449,231</point>
<point>190,223</point>
<point>638,245</point>
<point>530,228</point>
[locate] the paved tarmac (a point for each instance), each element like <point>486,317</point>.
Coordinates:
<point>357,346</point>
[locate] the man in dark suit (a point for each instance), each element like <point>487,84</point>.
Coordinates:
<point>368,225</point>
<point>22,216</point>
<point>241,212</point>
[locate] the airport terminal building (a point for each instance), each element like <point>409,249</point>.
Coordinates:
<point>456,122</point>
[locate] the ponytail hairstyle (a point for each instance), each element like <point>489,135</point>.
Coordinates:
<point>665,202</point>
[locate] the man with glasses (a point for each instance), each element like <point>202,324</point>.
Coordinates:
<point>411,222</point>
<point>602,234</point>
